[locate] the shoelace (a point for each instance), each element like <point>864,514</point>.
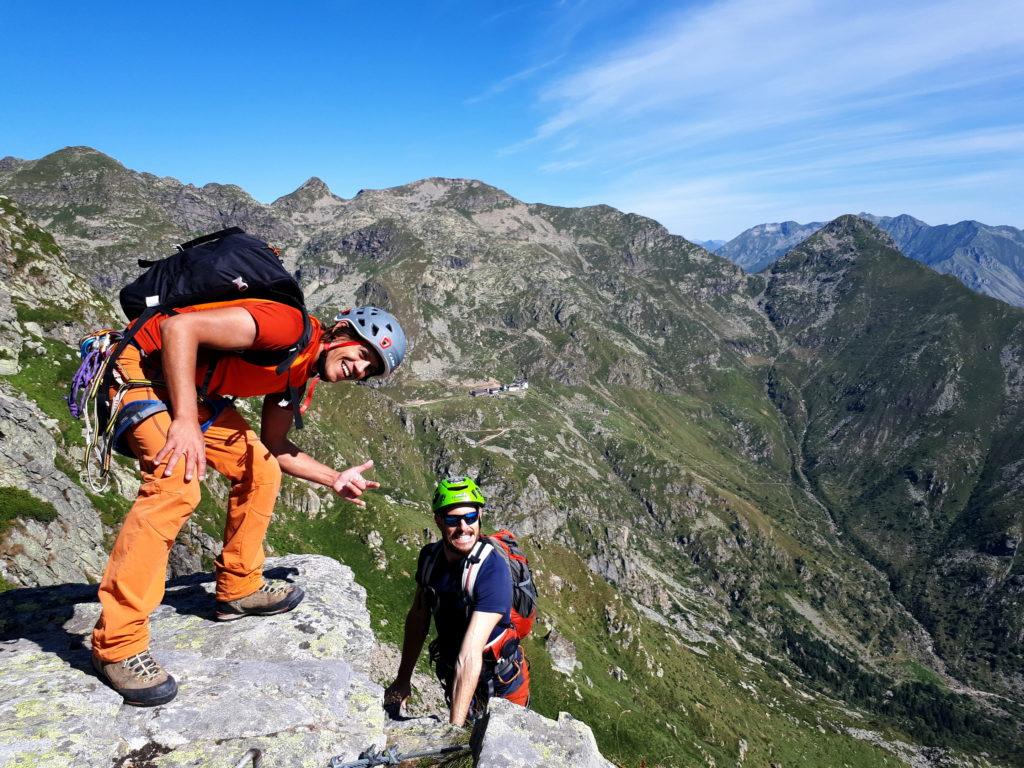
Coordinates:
<point>142,665</point>
<point>274,588</point>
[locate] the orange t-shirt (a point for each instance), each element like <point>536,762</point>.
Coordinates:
<point>278,327</point>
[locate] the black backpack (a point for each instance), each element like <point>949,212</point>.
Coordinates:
<point>221,266</point>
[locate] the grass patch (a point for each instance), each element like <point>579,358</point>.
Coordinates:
<point>16,504</point>
<point>46,379</point>
<point>45,314</point>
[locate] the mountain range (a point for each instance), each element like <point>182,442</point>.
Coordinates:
<point>987,259</point>
<point>774,517</point>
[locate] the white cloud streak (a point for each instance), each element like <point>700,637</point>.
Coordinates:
<point>754,54</point>
<point>741,101</point>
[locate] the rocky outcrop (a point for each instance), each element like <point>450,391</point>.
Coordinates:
<point>562,652</point>
<point>518,738</point>
<point>295,686</point>
<point>35,553</point>
<point>299,687</point>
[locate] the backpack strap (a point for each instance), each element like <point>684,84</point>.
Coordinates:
<point>423,574</point>
<point>307,334</point>
<point>426,569</point>
<point>471,569</point>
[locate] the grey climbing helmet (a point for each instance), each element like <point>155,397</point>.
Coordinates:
<point>380,330</point>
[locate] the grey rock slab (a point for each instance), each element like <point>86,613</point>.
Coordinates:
<point>53,711</point>
<point>69,548</point>
<point>293,685</point>
<point>424,734</point>
<point>515,737</point>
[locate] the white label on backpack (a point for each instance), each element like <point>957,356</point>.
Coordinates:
<point>152,301</point>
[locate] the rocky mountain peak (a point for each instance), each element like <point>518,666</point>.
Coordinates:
<point>806,284</point>
<point>314,185</point>
<point>759,246</point>
<point>848,234</point>
<point>10,163</point>
<point>77,160</point>
<point>468,195</point>
<point>310,194</point>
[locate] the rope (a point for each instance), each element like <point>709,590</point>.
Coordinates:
<point>372,756</point>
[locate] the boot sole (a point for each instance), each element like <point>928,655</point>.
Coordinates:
<point>293,600</point>
<point>151,702</point>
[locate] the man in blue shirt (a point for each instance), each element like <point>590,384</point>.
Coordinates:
<point>465,584</point>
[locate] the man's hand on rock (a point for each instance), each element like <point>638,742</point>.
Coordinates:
<point>395,696</point>
<point>351,484</point>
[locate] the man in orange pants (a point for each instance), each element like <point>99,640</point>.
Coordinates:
<point>172,359</point>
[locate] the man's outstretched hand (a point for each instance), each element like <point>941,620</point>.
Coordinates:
<point>351,484</point>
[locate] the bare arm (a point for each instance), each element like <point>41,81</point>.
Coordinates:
<point>274,425</point>
<point>182,335</point>
<point>470,662</point>
<point>417,624</point>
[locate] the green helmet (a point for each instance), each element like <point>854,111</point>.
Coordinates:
<point>455,491</point>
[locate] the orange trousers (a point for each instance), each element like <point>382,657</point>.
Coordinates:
<point>133,582</point>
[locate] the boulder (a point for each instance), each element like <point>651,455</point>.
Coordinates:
<point>515,737</point>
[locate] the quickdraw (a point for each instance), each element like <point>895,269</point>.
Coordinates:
<point>83,400</point>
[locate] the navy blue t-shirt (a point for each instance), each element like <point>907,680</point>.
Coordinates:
<point>493,594</point>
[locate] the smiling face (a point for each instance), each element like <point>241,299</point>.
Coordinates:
<point>352,363</point>
<point>460,538</point>
<point>345,358</point>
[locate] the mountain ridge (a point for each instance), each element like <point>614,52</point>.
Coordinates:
<point>987,259</point>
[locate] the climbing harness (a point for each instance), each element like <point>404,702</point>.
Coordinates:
<point>106,422</point>
<point>373,756</point>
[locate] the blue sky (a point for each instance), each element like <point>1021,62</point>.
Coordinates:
<point>710,117</point>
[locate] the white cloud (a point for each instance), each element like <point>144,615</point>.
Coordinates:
<point>512,80</point>
<point>743,107</point>
<point>751,56</point>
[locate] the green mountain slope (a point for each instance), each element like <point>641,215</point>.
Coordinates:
<point>910,431</point>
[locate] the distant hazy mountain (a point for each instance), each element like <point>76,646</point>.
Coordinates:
<point>987,259</point>
<point>759,247</point>
<point>711,245</point>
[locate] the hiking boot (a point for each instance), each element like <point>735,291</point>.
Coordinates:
<point>271,598</point>
<point>139,679</point>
